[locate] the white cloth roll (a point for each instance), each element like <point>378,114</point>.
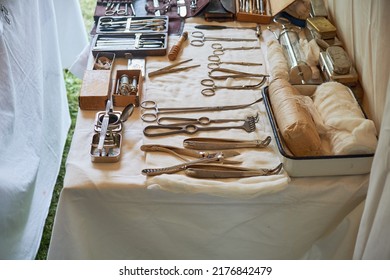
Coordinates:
<point>349,131</point>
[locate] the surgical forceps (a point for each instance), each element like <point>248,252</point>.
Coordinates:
<point>219,50</point>
<point>201,120</point>
<point>200,39</point>
<point>152,105</point>
<point>249,125</point>
<point>216,62</point>
<point>211,87</point>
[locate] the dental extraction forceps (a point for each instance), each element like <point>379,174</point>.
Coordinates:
<point>153,116</point>
<point>211,87</point>
<point>220,50</point>
<point>200,38</point>
<point>216,62</point>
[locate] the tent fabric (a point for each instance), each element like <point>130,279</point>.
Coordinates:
<point>34,114</point>
<point>364,35</point>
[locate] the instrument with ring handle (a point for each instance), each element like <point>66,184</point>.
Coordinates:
<point>201,120</point>
<point>249,125</point>
<point>216,62</point>
<point>152,105</point>
<point>116,10</point>
<point>220,50</point>
<point>211,87</point>
<point>233,74</point>
<point>200,38</point>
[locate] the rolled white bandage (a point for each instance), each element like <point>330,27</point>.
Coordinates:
<point>349,131</point>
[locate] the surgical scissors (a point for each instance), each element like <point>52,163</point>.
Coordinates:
<point>216,62</point>
<point>220,50</point>
<point>152,105</point>
<point>112,10</point>
<point>211,87</point>
<point>200,38</point>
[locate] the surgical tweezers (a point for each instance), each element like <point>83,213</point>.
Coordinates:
<point>233,74</point>
<point>172,69</point>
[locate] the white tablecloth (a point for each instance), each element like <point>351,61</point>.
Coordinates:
<point>35,45</point>
<point>111,211</point>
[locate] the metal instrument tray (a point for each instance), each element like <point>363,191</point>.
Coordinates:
<point>112,149</point>
<point>327,165</point>
<point>131,24</point>
<point>143,44</point>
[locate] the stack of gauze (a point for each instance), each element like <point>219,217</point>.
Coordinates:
<point>347,128</point>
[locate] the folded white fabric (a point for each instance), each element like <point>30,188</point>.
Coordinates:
<point>183,89</point>
<point>349,131</point>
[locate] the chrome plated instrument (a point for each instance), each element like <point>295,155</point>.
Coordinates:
<point>227,171</point>
<point>182,152</point>
<point>200,38</point>
<point>220,50</point>
<point>216,62</point>
<point>218,157</point>
<point>171,68</point>
<point>206,143</point>
<point>211,87</point>
<point>201,120</point>
<point>150,105</point>
<point>104,127</point>
<point>249,125</point>
<point>233,74</point>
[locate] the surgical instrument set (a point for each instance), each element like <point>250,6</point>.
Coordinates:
<point>136,43</point>
<point>126,24</point>
<point>150,105</point>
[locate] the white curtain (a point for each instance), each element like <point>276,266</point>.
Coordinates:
<point>363,27</point>
<point>34,115</point>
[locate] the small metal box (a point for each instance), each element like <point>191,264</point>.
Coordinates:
<point>321,27</point>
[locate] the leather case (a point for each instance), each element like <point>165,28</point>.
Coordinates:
<point>220,10</point>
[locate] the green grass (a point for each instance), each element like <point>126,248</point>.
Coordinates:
<point>73,85</point>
